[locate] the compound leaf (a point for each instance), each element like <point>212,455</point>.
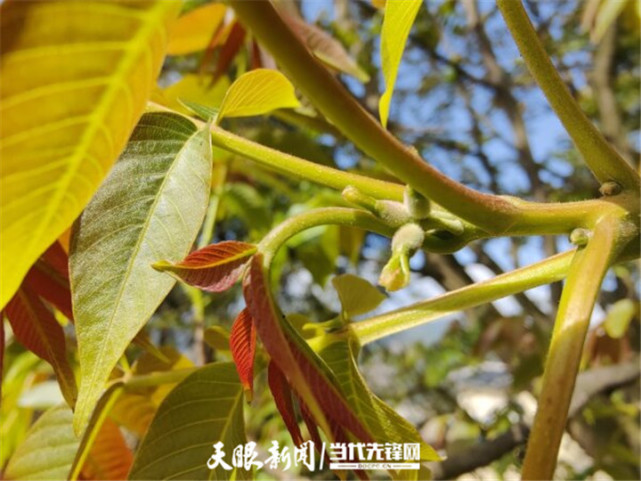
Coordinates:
<point>72,91</point>
<point>150,207</point>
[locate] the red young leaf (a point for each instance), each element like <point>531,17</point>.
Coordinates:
<point>109,457</point>
<point>214,268</point>
<point>229,50</point>
<point>299,364</point>
<point>312,428</point>
<point>49,278</point>
<point>242,342</point>
<point>283,398</point>
<point>35,328</point>
<point>333,404</point>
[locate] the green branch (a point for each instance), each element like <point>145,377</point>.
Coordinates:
<point>606,163</point>
<point>490,212</point>
<point>544,272</point>
<point>317,217</point>
<point>585,275</point>
<point>304,169</point>
<point>533,218</point>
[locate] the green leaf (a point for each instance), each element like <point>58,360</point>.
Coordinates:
<point>385,424</point>
<point>202,410</point>
<point>357,296</point>
<point>217,337</point>
<point>619,316</point>
<point>256,93</point>
<point>149,208</point>
<point>397,22</point>
<point>48,450</point>
<point>72,91</point>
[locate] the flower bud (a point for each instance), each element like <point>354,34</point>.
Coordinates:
<point>609,189</point>
<point>392,213</point>
<point>580,237</point>
<point>396,273</point>
<point>406,241</point>
<point>408,238</point>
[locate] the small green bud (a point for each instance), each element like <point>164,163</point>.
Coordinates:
<point>609,189</point>
<point>392,213</point>
<point>417,205</point>
<point>396,273</point>
<point>580,237</point>
<point>355,197</point>
<point>408,238</point>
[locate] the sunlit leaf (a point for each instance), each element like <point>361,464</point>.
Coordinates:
<point>397,22</point>
<point>619,316</point>
<point>36,328</point>
<point>193,31</point>
<point>48,450</point>
<point>258,92</point>
<point>202,410</point>
<point>242,343</point>
<point>214,268</point>
<point>149,208</point>
<point>195,89</point>
<point>357,295</point>
<point>324,47</point>
<point>72,91</point>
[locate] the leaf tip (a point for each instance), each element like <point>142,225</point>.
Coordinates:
<point>162,266</point>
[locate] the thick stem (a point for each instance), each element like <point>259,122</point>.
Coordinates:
<point>544,272</point>
<point>585,275</point>
<point>328,95</point>
<point>601,157</point>
<point>533,218</point>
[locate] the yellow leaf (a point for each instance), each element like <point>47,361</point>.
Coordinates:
<point>193,31</point>
<point>195,88</point>
<point>397,22</point>
<point>75,79</point>
<point>256,93</point>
